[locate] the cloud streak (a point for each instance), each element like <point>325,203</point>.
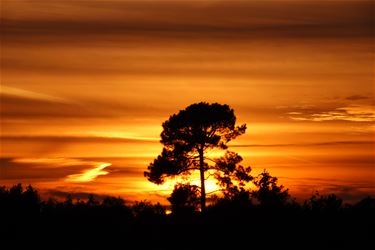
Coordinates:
<point>357,97</point>
<point>304,144</point>
<point>78,139</point>
<point>22,93</point>
<point>90,174</point>
<point>349,113</point>
<point>207,18</point>
<point>63,169</point>
<point>351,191</point>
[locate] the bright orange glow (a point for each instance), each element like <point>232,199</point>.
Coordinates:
<point>85,88</point>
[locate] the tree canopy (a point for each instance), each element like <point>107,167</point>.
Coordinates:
<point>187,139</point>
<point>269,193</point>
<point>184,199</point>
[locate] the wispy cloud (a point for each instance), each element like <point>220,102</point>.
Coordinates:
<point>90,170</point>
<point>85,19</point>
<point>78,139</point>
<point>21,103</point>
<point>348,191</point>
<point>330,143</point>
<point>51,162</point>
<point>349,113</point>
<point>90,174</point>
<point>27,94</point>
<point>357,97</point>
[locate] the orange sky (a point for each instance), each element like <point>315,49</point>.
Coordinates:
<point>85,86</point>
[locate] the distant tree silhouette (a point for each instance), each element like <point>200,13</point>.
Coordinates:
<point>233,202</point>
<point>230,221</point>
<point>113,202</point>
<point>145,210</point>
<point>269,194</point>
<point>184,199</point>
<point>187,138</point>
<point>324,203</point>
<point>31,201</point>
<point>17,203</point>
<point>68,203</point>
<point>116,207</point>
<point>366,204</point>
<point>92,201</point>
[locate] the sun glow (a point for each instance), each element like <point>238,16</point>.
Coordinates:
<point>211,185</point>
<point>97,127</point>
<point>121,135</point>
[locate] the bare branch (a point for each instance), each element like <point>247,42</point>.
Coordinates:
<point>215,191</point>
<point>206,158</point>
<point>188,169</point>
<point>208,176</point>
<point>217,169</point>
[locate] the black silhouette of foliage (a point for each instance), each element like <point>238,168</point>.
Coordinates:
<point>103,223</point>
<point>324,203</point>
<point>269,193</point>
<point>17,200</point>
<point>231,176</point>
<point>113,202</point>
<point>188,136</point>
<point>184,199</point>
<point>92,201</point>
<point>366,205</point>
<point>236,201</point>
<point>145,210</point>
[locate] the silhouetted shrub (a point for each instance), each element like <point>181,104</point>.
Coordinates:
<point>146,210</point>
<point>232,221</point>
<point>237,202</point>
<point>324,203</point>
<point>184,199</point>
<point>269,194</point>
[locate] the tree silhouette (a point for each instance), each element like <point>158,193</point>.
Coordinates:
<point>145,210</point>
<point>187,138</point>
<point>324,203</point>
<point>269,194</point>
<point>184,199</point>
<point>113,202</point>
<point>92,201</point>
<point>322,221</point>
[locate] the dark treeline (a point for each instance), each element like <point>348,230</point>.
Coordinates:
<point>267,217</point>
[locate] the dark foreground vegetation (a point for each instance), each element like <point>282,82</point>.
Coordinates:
<point>250,220</point>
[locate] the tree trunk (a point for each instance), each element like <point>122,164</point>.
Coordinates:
<point>203,189</point>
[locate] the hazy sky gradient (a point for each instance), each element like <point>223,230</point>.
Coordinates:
<point>85,83</point>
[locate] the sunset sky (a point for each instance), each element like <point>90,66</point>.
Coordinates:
<point>86,85</point>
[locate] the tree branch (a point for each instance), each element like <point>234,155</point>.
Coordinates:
<point>206,158</point>
<point>209,175</point>
<point>217,169</point>
<point>192,157</point>
<point>215,191</point>
<point>188,169</point>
